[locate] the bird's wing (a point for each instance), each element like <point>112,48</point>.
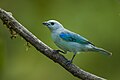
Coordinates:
<point>73,37</point>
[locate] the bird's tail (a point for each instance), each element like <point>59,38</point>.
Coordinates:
<point>100,50</point>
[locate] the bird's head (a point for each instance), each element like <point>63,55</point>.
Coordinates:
<point>53,25</point>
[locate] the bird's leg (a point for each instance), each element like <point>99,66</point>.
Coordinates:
<point>57,51</point>
<point>70,61</point>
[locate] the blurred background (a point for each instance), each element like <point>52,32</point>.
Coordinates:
<point>97,20</point>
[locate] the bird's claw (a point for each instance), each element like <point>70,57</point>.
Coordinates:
<point>57,51</point>
<point>69,62</point>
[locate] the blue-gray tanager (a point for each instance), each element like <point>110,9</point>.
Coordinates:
<point>70,41</point>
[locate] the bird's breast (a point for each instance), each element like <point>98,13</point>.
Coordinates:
<point>59,42</point>
<point>55,37</point>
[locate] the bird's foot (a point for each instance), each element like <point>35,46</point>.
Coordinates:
<point>57,51</point>
<point>69,62</point>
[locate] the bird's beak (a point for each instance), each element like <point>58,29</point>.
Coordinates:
<point>45,23</point>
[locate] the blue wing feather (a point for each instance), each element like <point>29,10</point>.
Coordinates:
<point>73,37</point>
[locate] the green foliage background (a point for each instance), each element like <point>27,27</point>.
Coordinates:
<point>97,20</point>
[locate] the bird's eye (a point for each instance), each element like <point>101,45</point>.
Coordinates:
<point>52,23</point>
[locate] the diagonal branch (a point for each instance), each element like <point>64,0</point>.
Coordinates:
<point>15,26</point>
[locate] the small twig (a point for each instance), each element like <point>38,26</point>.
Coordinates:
<point>13,24</point>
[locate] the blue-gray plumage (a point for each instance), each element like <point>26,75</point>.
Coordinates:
<point>70,41</point>
<point>67,36</point>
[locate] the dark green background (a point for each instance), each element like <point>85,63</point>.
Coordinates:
<point>97,20</point>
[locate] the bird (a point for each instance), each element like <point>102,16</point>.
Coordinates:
<point>70,41</point>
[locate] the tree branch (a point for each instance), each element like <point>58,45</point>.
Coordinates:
<point>15,26</point>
